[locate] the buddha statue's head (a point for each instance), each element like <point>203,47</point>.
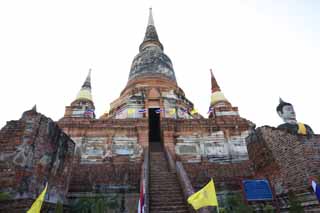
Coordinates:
<point>286,112</point>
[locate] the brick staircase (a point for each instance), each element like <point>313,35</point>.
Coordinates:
<point>165,192</point>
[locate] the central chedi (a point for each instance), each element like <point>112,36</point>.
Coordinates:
<point>151,59</point>
<point>152,84</point>
<point>153,111</point>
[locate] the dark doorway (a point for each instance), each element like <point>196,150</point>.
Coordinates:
<point>154,125</point>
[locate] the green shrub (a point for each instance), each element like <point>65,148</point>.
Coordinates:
<point>4,196</point>
<point>234,203</point>
<point>268,209</point>
<point>59,208</point>
<point>295,204</point>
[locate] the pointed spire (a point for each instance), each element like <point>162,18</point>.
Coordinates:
<point>151,36</point>
<point>34,108</point>
<point>87,82</point>
<point>280,100</point>
<point>150,21</point>
<point>85,91</point>
<point>214,84</point>
<point>216,94</point>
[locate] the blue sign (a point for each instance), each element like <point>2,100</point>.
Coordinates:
<point>257,190</point>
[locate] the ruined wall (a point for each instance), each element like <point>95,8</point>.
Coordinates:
<point>34,151</point>
<point>109,153</point>
<point>287,160</point>
<point>227,175</point>
<point>210,148</point>
<point>105,176</point>
<point>217,140</point>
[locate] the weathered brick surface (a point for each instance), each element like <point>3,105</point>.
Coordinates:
<point>102,177</point>
<point>115,171</point>
<point>77,127</point>
<point>231,125</point>
<point>234,123</point>
<point>34,151</point>
<point>287,160</point>
<point>226,174</point>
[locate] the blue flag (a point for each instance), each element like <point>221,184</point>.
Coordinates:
<point>158,111</point>
<point>142,111</point>
<point>316,188</point>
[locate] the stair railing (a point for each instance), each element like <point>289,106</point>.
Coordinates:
<point>171,162</point>
<point>145,179</point>
<point>184,180</point>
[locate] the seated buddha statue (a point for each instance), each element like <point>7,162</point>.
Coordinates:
<point>286,112</point>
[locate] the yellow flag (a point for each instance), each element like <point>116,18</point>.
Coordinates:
<point>302,129</point>
<point>172,111</point>
<point>204,197</point>
<point>36,206</point>
<point>131,111</point>
<point>194,111</point>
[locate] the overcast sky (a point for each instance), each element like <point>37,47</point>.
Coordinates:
<point>259,51</point>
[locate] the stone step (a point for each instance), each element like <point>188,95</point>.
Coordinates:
<point>155,171</point>
<point>164,181</point>
<point>171,177</point>
<point>161,178</point>
<point>164,197</point>
<point>165,193</point>
<point>160,173</point>
<point>157,163</point>
<point>163,184</point>
<point>166,188</point>
<point>169,203</point>
<point>169,208</point>
<point>179,211</point>
<point>173,193</point>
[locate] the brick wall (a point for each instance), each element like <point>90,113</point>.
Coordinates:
<point>102,177</point>
<point>113,171</point>
<point>223,174</point>
<point>288,160</point>
<point>34,151</point>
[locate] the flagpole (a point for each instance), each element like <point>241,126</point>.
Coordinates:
<point>217,205</point>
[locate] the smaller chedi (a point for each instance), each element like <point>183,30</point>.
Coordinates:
<point>286,112</point>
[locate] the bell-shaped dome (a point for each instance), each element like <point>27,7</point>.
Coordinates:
<point>151,60</point>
